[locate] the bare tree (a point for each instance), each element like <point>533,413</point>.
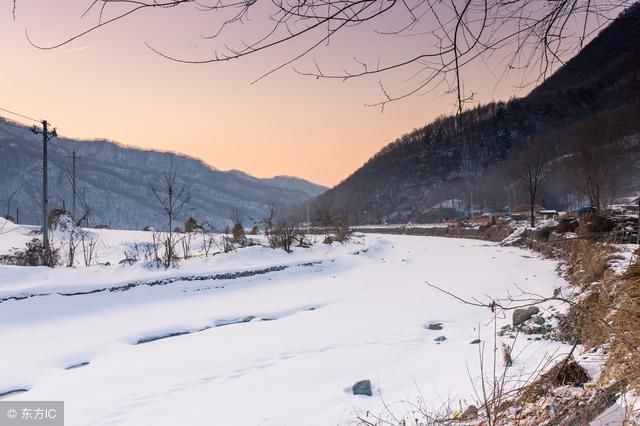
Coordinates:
<point>597,160</point>
<point>86,210</point>
<point>89,244</point>
<point>527,38</point>
<point>208,239</point>
<point>324,214</point>
<point>173,195</point>
<point>273,209</point>
<point>530,166</point>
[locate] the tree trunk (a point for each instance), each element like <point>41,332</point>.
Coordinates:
<point>533,218</point>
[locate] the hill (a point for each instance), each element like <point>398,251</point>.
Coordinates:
<point>113,181</point>
<point>466,163</point>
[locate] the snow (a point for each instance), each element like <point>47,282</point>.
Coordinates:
<point>626,410</point>
<point>403,226</point>
<point>276,348</point>
<point>624,257</point>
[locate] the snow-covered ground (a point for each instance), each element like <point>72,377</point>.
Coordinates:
<point>279,344</point>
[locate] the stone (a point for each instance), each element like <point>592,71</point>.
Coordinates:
<point>440,339</point>
<point>434,326</point>
<point>475,342</point>
<point>522,315</point>
<point>537,319</point>
<point>363,387</point>
<point>537,329</point>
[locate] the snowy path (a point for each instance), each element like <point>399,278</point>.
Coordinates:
<point>277,348</point>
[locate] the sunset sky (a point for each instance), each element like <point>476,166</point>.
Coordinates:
<point>110,85</point>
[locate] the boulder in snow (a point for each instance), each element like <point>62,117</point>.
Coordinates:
<point>524,314</point>
<point>363,387</point>
<point>434,326</point>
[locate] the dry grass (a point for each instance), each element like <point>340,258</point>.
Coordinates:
<point>624,323</point>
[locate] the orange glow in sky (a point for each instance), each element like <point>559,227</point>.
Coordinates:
<point>110,85</point>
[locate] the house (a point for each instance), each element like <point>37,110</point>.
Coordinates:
<point>548,214</point>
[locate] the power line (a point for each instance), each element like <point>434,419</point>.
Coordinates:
<point>20,115</point>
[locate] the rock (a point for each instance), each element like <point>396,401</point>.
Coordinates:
<point>363,387</point>
<point>470,413</point>
<point>440,339</point>
<point>537,319</point>
<point>522,315</point>
<point>537,329</point>
<point>433,326</point>
<point>475,342</point>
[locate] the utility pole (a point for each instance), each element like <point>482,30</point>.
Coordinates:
<point>46,136</point>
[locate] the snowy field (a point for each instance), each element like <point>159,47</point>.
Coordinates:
<point>281,343</point>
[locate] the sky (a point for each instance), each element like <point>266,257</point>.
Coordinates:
<point>110,85</point>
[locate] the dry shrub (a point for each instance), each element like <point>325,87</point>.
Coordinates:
<point>191,225</point>
<point>34,254</point>
<point>238,233</point>
<point>587,260</point>
<point>566,372</point>
<point>624,360</point>
<point>585,321</point>
<point>596,224</point>
<point>59,218</point>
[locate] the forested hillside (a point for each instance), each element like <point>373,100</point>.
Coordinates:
<point>581,121</point>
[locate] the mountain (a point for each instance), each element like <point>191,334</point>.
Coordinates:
<point>287,183</point>
<point>463,162</point>
<point>114,181</point>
